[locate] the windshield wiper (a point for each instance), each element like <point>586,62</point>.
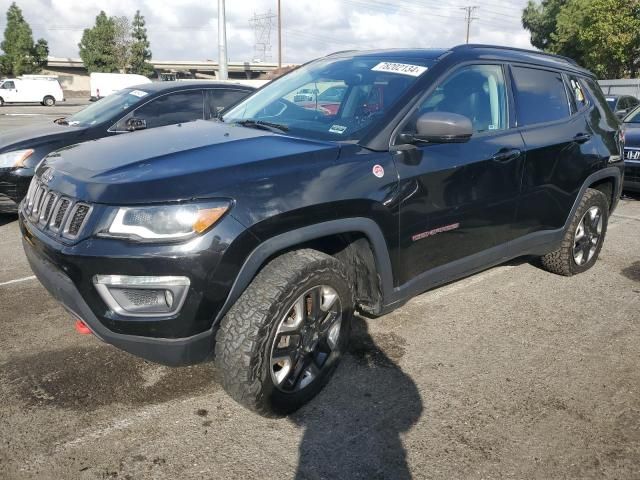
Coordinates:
<point>263,125</point>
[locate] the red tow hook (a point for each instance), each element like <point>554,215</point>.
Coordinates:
<point>82,328</point>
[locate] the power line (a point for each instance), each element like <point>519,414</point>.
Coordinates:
<point>262,25</point>
<point>469,10</point>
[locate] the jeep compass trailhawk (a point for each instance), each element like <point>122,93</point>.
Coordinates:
<point>252,239</point>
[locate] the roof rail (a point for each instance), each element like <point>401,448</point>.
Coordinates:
<point>339,52</point>
<point>523,50</point>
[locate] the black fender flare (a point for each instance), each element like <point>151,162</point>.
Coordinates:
<point>279,243</point>
<point>606,173</point>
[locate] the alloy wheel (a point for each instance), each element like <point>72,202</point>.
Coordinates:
<point>306,337</point>
<point>587,236</point>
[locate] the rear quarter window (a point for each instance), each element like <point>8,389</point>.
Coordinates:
<point>541,96</point>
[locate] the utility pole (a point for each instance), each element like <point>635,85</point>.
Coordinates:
<point>279,35</point>
<point>469,17</point>
<point>223,72</point>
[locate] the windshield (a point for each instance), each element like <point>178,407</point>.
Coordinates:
<point>107,109</point>
<point>633,117</point>
<point>612,102</point>
<point>330,99</point>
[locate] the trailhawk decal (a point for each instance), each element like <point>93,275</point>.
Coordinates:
<point>401,68</point>
<point>435,231</point>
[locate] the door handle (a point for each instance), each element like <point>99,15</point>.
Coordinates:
<point>582,138</point>
<point>506,155</point>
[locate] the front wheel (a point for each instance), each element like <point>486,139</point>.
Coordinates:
<point>282,340</point>
<point>583,239</point>
<point>49,101</point>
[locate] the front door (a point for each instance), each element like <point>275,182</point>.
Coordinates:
<point>460,198</point>
<point>8,92</point>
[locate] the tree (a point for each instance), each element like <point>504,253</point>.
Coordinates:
<point>601,35</point>
<point>140,53</point>
<point>21,55</point>
<point>122,42</point>
<point>98,46</point>
<point>541,21</point>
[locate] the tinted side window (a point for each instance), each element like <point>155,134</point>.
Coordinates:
<point>578,96</point>
<point>477,92</point>
<point>173,108</point>
<point>540,96</point>
<point>218,99</point>
<point>8,85</point>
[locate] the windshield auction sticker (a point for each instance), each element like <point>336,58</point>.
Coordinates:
<point>401,68</point>
<point>138,93</point>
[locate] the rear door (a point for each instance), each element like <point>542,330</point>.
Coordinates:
<point>459,199</point>
<point>558,141</point>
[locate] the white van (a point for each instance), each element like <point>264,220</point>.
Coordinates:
<point>104,84</point>
<point>46,91</point>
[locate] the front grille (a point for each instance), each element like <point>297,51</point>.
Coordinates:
<point>54,212</point>
<point>78,216</point>
<point>61,209</point>
<point>632,172</point>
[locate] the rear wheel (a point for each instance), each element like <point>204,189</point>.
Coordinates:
<point>1,101</point>
<point>49,101</point>
<point>282,340</point>
<point>584,237</point>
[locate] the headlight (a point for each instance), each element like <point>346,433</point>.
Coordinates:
<point>14,159</point>
<point>165,222</point>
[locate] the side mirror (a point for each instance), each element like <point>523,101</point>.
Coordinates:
<point>134,124</point>
<point>442,127</point>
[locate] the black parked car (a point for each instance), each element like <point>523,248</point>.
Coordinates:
<point>257,237</point>
<point>145,106</point>
<point>621,105</point>
<point>632,151</point>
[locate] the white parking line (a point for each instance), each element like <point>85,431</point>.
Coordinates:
<point>18,280</point>
<point>24,114</point>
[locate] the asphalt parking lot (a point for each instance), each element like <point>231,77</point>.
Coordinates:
<point>511,373</point>
<point>20,115</point>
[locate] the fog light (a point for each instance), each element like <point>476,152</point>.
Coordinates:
<point>141,296</point>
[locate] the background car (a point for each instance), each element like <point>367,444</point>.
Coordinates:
<point>622,104</point>
<point>305,95</point>
<point>46,91</point>
<point>632,151</point>
<point>144,106</point>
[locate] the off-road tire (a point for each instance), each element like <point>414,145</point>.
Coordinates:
<point>562,261</point>
<point>48,101</point>
<point>246,333</point>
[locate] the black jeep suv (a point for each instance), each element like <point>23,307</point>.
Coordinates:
<point>252,240</point>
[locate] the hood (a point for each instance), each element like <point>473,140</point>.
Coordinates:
<point>199,159</point>
<point>29,137</point>
<point>632,135</point>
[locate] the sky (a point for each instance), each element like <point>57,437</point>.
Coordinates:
<point>188,29</point>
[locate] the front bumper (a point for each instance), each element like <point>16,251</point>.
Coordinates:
<point>182,339</point>
<point>631,176</point>
<point>180,351</point>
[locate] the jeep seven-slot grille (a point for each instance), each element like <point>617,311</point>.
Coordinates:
<point>54,212</point>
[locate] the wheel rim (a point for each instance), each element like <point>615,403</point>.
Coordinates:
<point>587,236</point>
<point>305,339</point>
